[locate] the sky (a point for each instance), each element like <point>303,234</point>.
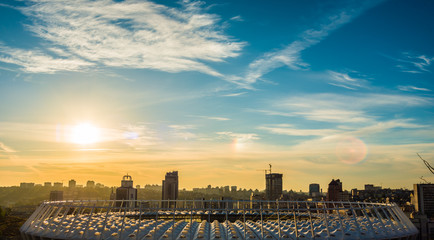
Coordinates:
<point>217,90</point>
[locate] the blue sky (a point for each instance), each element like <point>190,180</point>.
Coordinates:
<point>217,90</point>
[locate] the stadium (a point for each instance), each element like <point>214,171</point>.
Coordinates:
<point>208,219</point>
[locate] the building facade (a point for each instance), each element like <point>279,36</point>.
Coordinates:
<point>56,196</point>
<point>27,185</point>
<point>273,186</point>
<point>72,183</point>
<point>170,188</point>
<point>424,199</point>
<point>126,192</point>
<point>314,190</point>
<point>90,184</point>
<point>334,192</point>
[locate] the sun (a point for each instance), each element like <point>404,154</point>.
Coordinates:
<point>85,133</point>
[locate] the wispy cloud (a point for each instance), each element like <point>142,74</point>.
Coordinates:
<point>213,118</point>
<point>240,136</point>
<point>234,94</point>
<point>181,127</point>
<point>127,34</point>
<point>6,149</point>
<point>285,129</point>
<point>373,128</point>
<point>237,18</point>
<point>410,88</point>
<point>290,56</point>
<point>183,131</point>
<point>7,152</point>
<point>137,136</point>
<point>272,113</point>
<point>35,61</point>
<point>413,63</point>
<point>386,125</point>
<point>346,81</point>
<point>346,109</point>
<point>219,118</point>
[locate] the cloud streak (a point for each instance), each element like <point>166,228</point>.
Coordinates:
<point>375,128</point>
<point>345,80</point>
<point>129,34</point>
<point>6,149</point>
<point>35,61</point>
<point>290,55</point>
<point>337,108</point>
<point>213,118</point>
<point>285,129</point>
<point>410,88</point>
<point>245,137</point>
<point>411,63</point>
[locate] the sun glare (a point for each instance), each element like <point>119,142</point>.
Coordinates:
<point>85,133</point>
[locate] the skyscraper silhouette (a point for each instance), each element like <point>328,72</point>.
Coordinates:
<point>273,185</point>
<point>170,189</point>
<point>334,191</point>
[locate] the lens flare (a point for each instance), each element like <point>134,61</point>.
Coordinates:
<point>351,150</point>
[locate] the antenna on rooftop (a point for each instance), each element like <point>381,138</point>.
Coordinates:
<point>270,167</point>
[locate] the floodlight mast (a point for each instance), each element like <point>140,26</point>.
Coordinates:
<point>426,164</point>
<point>423,179</point>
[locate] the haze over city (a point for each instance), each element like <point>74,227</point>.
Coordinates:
<point>217,90</point>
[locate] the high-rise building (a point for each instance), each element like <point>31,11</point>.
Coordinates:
<point>90,184</point>
<point>233,189</point>
<point>424,199</point>
<point>314,190</point>
<point>170,188</point>
<point>47,184</point>
<point>72,183</point>
<point>56,196</point>
<point>58,184</point>
<point>273,185</point>
<point>126,192</point>
<point>334,192</point>
<point>27,185</point>
<point>371,187</point>
<point>226,189</point>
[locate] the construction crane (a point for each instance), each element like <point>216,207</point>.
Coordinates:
<point>426,164</point>
<point>265,170</point>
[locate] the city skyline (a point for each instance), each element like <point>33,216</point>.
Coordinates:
<point>65,184</point>
<point>217,91</point>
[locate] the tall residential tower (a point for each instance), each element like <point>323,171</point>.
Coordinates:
<point>273,185</point>
<point>170,188</point>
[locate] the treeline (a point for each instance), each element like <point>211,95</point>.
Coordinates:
<point>18,197</point>
<point>10,224</point>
